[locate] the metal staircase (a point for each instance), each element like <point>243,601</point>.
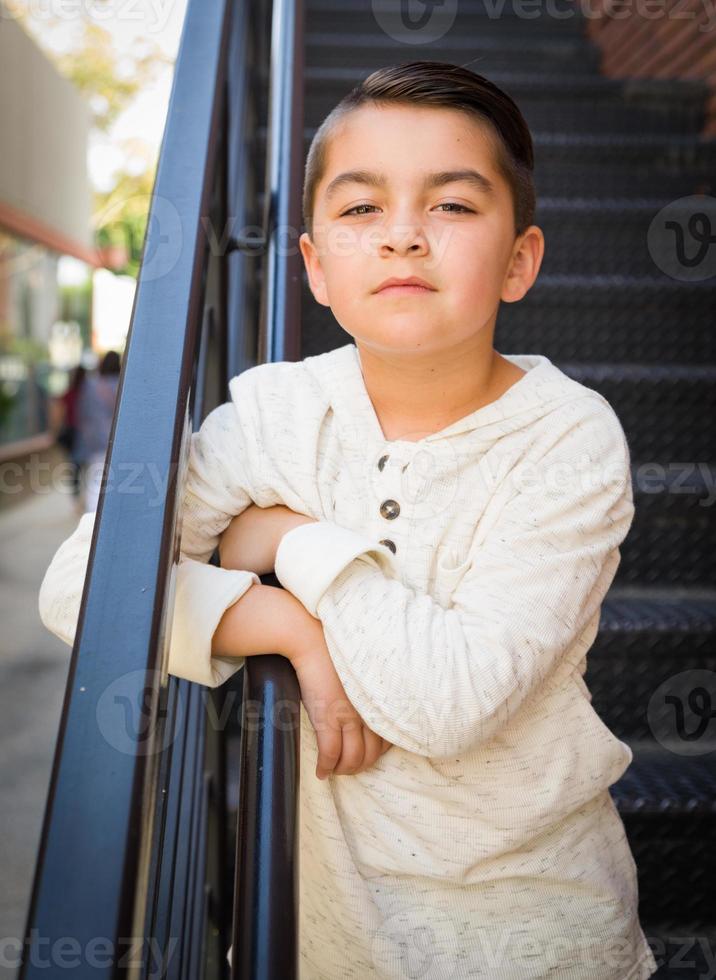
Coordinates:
<point>609,156</point>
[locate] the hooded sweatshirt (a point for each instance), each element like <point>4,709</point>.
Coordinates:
<point>459,580</point>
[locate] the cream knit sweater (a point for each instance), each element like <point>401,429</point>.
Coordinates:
<point>459,581</point>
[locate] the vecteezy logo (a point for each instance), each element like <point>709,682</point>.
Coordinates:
<point>164,237</point>
<point>682,712</point>
<point>700,231</point>
<point>682,238</point>
<point>416,943</point>
<point>129,719</point>
<point>423,18</point>
<point>415,21</point>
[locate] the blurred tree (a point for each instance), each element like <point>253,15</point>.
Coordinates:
<point>121,213</point>
<point>109,79</point>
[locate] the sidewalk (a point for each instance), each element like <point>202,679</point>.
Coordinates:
<point>33,674</point>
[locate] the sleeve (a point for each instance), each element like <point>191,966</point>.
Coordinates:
<point>438,681</point>
<point>218,486</point>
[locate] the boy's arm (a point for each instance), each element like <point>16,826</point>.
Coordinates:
<point>438,681</point>
<point>223,460</point>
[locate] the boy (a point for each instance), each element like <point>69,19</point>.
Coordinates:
<point>445,521</point>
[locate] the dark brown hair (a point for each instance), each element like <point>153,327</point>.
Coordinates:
<point>436,83</point>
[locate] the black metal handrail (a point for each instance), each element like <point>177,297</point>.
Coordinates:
<point>133,846</point>
<point>266,869</point>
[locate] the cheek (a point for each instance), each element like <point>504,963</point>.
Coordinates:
<point>345,245</point>
<point>345,273</point>
<point>475,264</point>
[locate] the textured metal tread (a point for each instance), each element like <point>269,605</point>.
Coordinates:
<point>681,930</point>
<point>688,479</point>
<point>570,44</point>
<point>619,205</point>
<point>629,283</point>
<point>660,781</point>
<point>639,141</point>
<point>638,372</point>
<point>477,9</point>
<point>658,610</point>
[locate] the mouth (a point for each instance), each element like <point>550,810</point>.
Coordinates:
<point>410,289</point>
<point>405,286</point>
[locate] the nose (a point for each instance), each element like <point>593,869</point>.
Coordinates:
<point>403,237</point>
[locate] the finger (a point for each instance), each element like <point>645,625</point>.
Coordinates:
<point>372,748</point>
<point>353,752</point>
<point>330,743</point>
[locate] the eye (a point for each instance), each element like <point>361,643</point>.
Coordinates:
<point>454,204</point>
<point>355,209</point>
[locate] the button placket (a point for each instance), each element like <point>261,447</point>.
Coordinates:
<point>389,507</point>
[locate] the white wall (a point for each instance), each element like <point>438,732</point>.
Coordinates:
<point>44,123</point>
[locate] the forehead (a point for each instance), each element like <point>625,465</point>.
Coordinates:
<point>402,143</point>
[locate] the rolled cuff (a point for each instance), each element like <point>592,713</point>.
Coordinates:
<point>203,593</point>
<point>311,555</point>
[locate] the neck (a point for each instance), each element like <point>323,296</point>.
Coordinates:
<point>417,394</point>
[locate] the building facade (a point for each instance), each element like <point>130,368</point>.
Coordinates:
<point>47,254</point>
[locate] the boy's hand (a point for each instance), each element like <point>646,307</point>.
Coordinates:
<point>252,538</point>
<point>346,745</point>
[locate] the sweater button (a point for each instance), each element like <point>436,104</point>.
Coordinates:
<point>382,461</point>
<point>390,509</point>
<point>389,544</point>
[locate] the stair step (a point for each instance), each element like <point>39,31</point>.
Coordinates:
<point>567,180</point>
<point>667,411</point>
<point>668,806</point>
<point>658,781</point>
<point>683,950</point>
<point>616,236</point>
<point>665,610</point>
<point>610,319</point>
<point>622,166</point>
<point>648,637</point>
<point>487,53</point>
<point>556,102</point>
<point>671,541</point>
<point>468,17</point>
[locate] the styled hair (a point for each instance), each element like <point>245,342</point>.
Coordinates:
<point>436,83</point>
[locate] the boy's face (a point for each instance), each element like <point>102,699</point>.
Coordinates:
<point>406,228</point>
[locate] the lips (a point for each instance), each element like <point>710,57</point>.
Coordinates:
<point>410,284</point>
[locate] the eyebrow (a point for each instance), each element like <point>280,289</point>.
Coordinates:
<point>436,179</point>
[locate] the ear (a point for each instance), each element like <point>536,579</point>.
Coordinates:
<point>525,263</point>
<point>316,279</point>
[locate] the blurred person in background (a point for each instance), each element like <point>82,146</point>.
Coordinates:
<point>95,411</point>
<point>67,434</point>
